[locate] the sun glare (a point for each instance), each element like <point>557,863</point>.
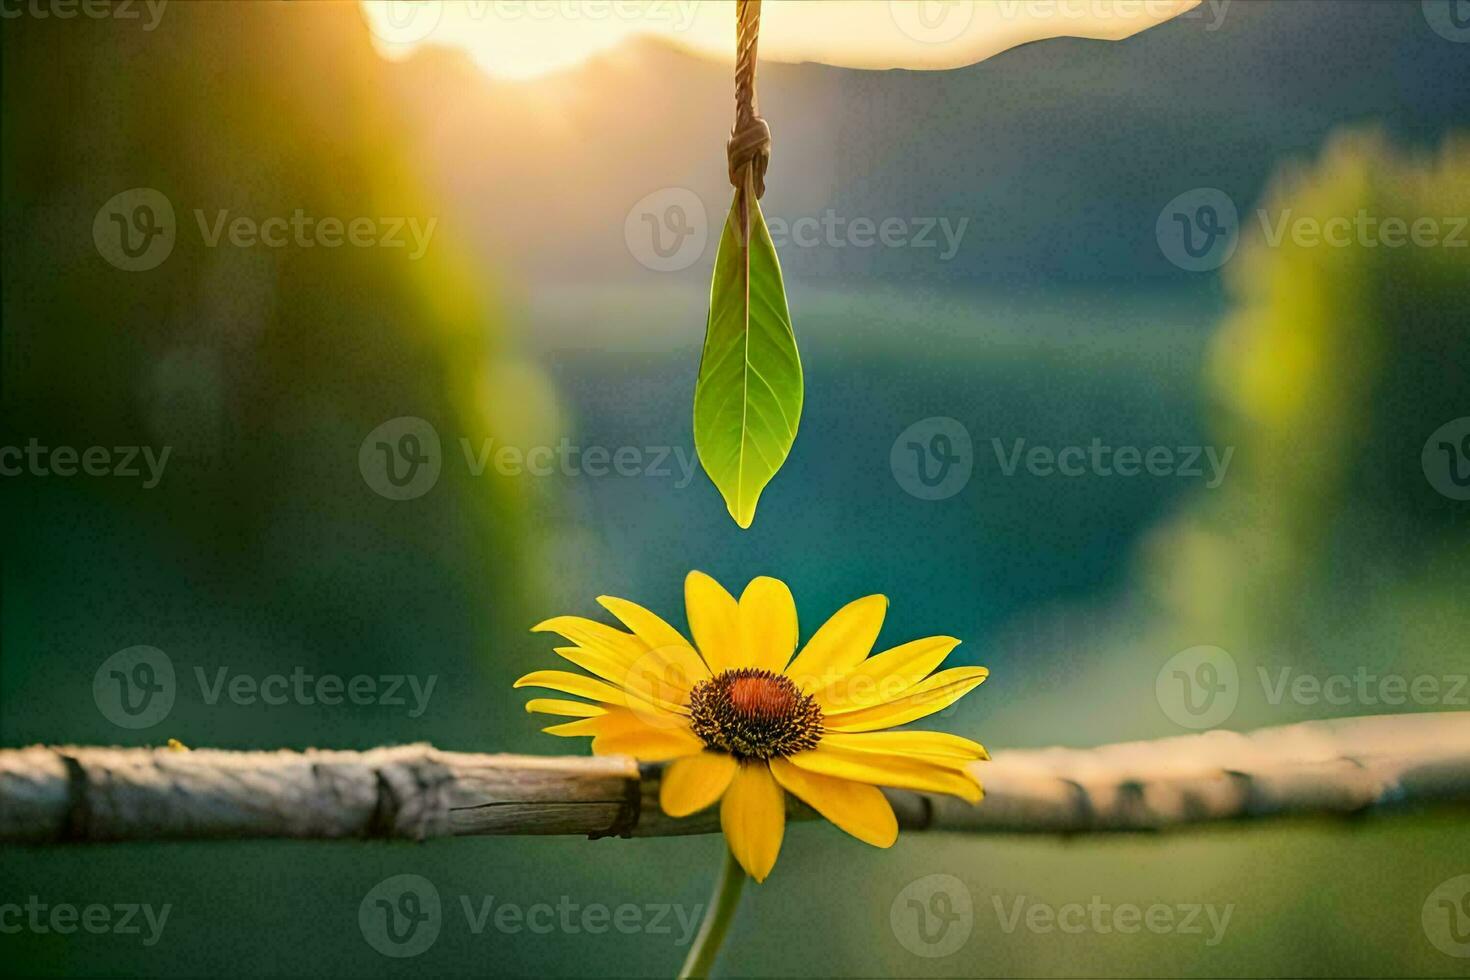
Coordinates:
<point>519,39</point>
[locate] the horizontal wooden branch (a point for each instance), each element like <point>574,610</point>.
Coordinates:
<point>51,794</point>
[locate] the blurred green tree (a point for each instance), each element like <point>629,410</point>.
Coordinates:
<point>261,360</point>
<point>1348,347</point>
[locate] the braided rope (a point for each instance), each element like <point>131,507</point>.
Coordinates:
<point>749,148</point>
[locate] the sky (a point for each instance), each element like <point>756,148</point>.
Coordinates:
<point>520,39</point>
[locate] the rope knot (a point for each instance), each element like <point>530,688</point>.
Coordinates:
<point>749,145</point>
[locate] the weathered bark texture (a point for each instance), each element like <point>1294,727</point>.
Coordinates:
<point>62,793</point>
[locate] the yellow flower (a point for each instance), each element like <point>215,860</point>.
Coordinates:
<point>744,723</point>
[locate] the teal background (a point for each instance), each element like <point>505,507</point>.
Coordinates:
<point>530,321</point>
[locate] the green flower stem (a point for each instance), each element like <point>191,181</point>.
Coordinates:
<point>717,920</point>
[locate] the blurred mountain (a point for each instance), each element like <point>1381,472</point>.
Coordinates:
<point>1059,155</point>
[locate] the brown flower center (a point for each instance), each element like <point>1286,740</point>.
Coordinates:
<point>754,714</point>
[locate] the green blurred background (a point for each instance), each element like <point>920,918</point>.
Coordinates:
<point>534,317</point>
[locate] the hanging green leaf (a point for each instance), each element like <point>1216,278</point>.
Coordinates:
<point>747,402</point>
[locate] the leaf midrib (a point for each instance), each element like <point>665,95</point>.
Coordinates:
<point>745,352</point>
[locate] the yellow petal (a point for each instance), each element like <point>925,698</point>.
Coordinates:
<point>579,684</point>
<point>768,627</point>
<point>928,696</point>
<point>649,744</point>
<point>858,808</point>
<point>887,676</point>
<point>888,770</point>
<point>940,744</point>
<point>636,680</point>
<point>666,644</point>
<point>753,816</point>
<point>646,625</point>
<point>842,643</point>
<point>607,640</point>
<point>696,781</point>
<point>615,722</point>
<point>714,620</point>
<point>569,729</point>
<point>557,706</point>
